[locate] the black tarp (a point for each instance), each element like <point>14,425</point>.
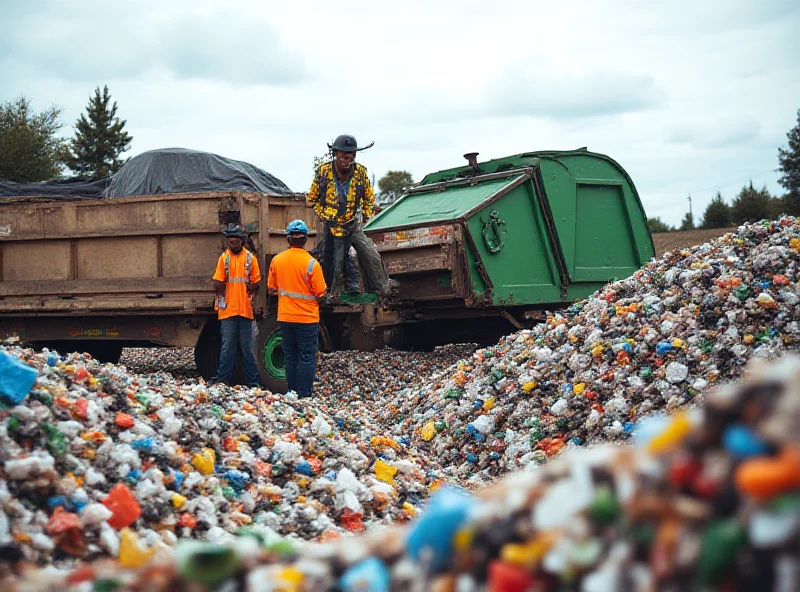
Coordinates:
<point>168,170</point>
<point>75,187</point>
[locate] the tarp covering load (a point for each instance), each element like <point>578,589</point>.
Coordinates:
<point>178,170</point>
<point>74,187</point>
<point>168,170</point>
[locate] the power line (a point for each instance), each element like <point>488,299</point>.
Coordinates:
<point>743,179</point>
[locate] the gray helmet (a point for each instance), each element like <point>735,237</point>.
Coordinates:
<point>234,230</point>
<point>347,143</point>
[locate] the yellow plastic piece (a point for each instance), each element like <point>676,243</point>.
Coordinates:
<point>677,342</point>
<point>291,575</point>
<point>748,338</point>
<point>131,553</point>
<point>795,244</point>
<point>384,471</point>
<point>672,435</point>
<point>578,388</point>
<point>409,509</point>
<point>435,485</point>
<point>528,387</point>
<point>488,404</point>
<point>597,350</point>
<point>428,431</point>
<point>529,554</point>
<point>382,442</point>
<point>177,501</point>
<point>204,461</point>
<point>463,539</point>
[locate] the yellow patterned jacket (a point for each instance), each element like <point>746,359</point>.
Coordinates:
<point>323,198</point>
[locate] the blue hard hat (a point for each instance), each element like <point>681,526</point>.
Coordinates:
<point>297,226</point>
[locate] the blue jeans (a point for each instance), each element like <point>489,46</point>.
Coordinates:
<point>237,330</point>
<point>300,342</point>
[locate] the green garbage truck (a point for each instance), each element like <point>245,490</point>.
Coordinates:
<point>485,248</point>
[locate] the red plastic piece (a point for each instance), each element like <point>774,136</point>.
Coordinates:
<point>504,577</point>
<point>123,505</point>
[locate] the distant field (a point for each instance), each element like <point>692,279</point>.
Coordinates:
<point>667,241</point>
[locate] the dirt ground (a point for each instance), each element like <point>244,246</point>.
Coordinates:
<point>667,241</point>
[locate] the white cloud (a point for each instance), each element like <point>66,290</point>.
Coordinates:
<point>687,96</point>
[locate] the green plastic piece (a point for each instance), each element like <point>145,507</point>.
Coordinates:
<point>605,508</point>
<point>207,564</point>
<point>56,442</point>
<point>720,543</point>
<point>105,585</point>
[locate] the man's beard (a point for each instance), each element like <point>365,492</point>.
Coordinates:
<point>236,250</point>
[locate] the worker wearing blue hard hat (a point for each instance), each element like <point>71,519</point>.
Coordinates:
<point>296,278</point>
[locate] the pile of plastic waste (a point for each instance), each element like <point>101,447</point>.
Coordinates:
<point>88,451</point>
<point>655,341</point>
<point>705,500</point>
<point>97,462</point>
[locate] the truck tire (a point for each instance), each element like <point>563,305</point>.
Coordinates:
<point>206,354</point>
<point>106,353</point>
<point>269,353</point>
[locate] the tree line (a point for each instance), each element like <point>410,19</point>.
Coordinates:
<point>751,204</point>
<point>31,151</point>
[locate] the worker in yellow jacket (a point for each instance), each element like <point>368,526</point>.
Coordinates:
<point>342,197</point>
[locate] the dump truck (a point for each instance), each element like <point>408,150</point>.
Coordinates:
<point>478,251</point>
<point>96,275</point>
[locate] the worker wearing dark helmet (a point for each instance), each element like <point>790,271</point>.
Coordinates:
<point>296,278</point>
<point>235,282</point>
<point>342,196</point>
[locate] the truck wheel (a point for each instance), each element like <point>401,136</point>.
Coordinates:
<point>206,354</point>
<point>106,352</point>
<point>269,353</point>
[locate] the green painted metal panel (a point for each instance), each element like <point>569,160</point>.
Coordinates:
<point>490,166</point>
<point>424,208</point>
<point>523,271</point>
<point>605,249</point>
<point>601,226</point>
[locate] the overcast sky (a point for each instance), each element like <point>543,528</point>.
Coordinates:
<point>688,96</point>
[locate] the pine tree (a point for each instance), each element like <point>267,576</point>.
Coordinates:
<point>789,162</point>
<point>717,214</point>
<point>29,148</point>
<point>751,205</point>
<point>687,223</point>
<point>99,139</point>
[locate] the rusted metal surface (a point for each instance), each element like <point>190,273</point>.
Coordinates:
<point>138,255</point>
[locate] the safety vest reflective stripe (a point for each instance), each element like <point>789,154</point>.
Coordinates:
<point>248,265</point>
<point>298,296</point>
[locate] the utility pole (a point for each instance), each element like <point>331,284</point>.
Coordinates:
<point>691,216</point>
